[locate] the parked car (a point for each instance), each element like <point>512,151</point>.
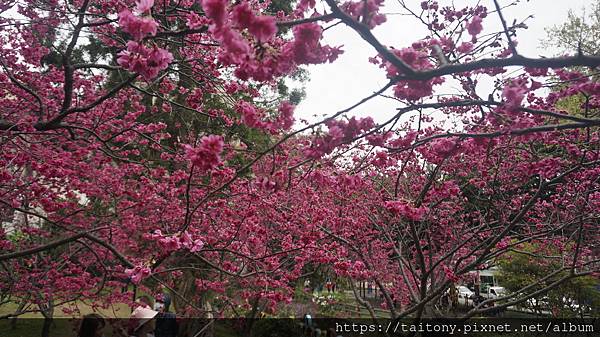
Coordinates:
<point>465,296</point>
<point>464,292</point>
<point>494,292</point>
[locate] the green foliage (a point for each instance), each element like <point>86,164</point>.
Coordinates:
<point>530,263</point>
<point>579,32</point>
<point>571,104</point>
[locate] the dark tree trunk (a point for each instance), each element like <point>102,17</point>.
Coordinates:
<point>46,327</point>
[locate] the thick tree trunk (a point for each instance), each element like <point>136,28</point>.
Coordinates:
<point>46,326</point>
<point>47,310</point>
<point>251,316</point>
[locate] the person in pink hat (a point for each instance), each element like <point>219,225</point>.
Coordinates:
<point>142,322</point>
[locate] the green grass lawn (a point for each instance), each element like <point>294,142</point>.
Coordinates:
<point>120,310</point>
<point>30,324</point>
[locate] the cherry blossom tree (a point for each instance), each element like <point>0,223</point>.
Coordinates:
<point>127,155</point>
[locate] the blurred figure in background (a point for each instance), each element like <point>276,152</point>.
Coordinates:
<point>91,326</point>
<point>166,322</point>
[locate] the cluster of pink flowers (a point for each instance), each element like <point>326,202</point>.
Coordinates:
<point>170,243</point>
<point>262,27</point>
<point>4,243</point>
<point>368,9</point>
<point>355,269</point>
<point>382,160</point>
<point>450,275</point>
<point>194,245</point>
<point>137,27</point>
<point>206,156</point>
<point>504,243</point>
<point>306,48</point>
<point>475,27</point>
<point>252,116</point>
<point>404,209</point>
<point>216,286</point>
<point>228,26</point>
<point>266,184</point>
<point>138,273</point>
<point>340,132</point>
<point>514,93</point>
<point>417,58</point>
<point>145,61</point>
<point>143,6</point>
<point>286,115</point>
<point>443,146</point>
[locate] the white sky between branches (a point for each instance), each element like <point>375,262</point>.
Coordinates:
<point>336,86</point>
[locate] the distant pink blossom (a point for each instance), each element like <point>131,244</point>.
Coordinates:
<point>474,27</point>
<point>194,21</point>
<point>206,156</point>
<point>135,26</point>
<point>286,115</point>
<point>147,62</point>
<point>513,94</point>
<point>250,115</point>
<point>143,6</point>
<point>465,47</point>
<point>402,208</point>
<point>215,10</point>
<point>138,273</point>
<point>263,28</point>
<point>443,146</point>
<point>242,15</point>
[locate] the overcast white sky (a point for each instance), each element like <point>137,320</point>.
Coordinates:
<point>336,86</point>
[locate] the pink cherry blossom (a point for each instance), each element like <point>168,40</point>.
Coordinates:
<point>145,61</point>
<point>475,27</point>
<point>138,273</point>
<point>135,26</point>
<point>206,156</point>
<point>263,28</point>
<point>143,6</point>
<point>216,10</point>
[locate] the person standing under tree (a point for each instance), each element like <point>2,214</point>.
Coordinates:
<point>166,322</point>
<point>454,296</point>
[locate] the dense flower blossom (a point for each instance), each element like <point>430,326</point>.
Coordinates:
<point>465,47</point>
<point>410,89</point>
<point>369,10</point>
<point>475,27</point>
<point>443,147</point>
<point>143,6</point>
<point>250,114</point>
<point>206,156</point>
<point>263,28</point>
<point>215,10</point>
<point>513,94</point>
<point>243,15</point>
<point>339,132</point>
<point>146,61</point>
<point>235,44</point>
<point>138,273</point>
<point>404,209</point>
<point>136,26</point>
<point>247,223</point>
<point>194,21</point>
<point>286,115</point>
<point>306,49</point>
<point>450,275</point>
